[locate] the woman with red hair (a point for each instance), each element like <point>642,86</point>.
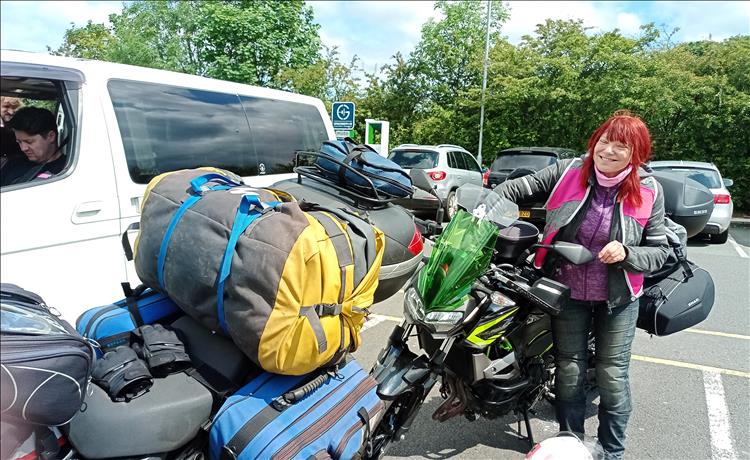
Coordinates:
<point>607,202</point>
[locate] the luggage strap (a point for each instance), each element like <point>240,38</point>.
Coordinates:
<point>131,300</point>
<point>250,209</point>
<point>198,189</point>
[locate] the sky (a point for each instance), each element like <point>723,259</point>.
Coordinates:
<point>376,30</point>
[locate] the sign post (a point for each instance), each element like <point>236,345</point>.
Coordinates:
<point>342,116</point>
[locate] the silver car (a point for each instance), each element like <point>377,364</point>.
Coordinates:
<point>707,174</point>
<point>447,166</point>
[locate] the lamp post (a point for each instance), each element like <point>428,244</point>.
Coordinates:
<point>484,81</point>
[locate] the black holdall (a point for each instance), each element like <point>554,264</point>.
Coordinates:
<point>46,364</point>
<point>677,301</point>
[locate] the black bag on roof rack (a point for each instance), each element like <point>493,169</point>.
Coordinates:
<point>358,168</point>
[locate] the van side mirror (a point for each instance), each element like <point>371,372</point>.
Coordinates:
<point>728,182</point>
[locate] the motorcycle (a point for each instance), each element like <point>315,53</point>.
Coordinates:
<point>482,316</point>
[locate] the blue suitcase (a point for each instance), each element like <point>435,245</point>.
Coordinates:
<point>360,168</point>
<point>110,325</point>
<point>332,421</point>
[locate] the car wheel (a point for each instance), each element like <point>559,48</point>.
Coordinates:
<point>451,205</point>
<point>721,238</point>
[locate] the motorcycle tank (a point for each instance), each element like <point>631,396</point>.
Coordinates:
<point>686,201</point>
<point>165,418</point>
<point>403,243</point>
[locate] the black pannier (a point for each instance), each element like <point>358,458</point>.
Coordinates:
<point>46,364</point>
<point>677,301</point>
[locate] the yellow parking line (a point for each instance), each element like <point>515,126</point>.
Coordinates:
<point>649,359</point>
<point>395,319</point>
<point>699,367</point>
<point>720,334</point>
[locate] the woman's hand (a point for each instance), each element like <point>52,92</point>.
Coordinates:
<point>612,253</point>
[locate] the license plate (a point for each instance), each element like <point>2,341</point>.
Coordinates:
<point>524,213</point>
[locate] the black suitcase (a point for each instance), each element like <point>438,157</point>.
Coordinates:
<point>676,301</point>
<point>46,364</point>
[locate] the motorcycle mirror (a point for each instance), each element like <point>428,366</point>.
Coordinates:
<point>420,180</point>
<point>574,253</point>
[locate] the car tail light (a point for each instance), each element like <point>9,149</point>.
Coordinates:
<point>722,199</point>
<point>486,177</point>
<point>437,175</point>
<point>416,245</point>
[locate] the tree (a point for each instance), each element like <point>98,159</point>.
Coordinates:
<point>450,53</point>
<point>245,41</point>
<point>327,78</point>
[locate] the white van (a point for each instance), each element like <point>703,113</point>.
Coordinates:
<point>120,126</point>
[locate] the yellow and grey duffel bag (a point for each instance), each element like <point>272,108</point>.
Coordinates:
<point>289,282</point>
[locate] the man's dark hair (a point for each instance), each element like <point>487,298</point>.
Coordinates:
<point>33,120</point>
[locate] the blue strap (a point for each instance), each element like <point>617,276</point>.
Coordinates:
<point>168,235</point>
<point>197,183</point>
<point>250,209</point>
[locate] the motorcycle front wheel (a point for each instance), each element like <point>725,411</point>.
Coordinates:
<point>399,413</point>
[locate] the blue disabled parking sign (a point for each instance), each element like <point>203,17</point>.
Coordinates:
<point>342,115</point>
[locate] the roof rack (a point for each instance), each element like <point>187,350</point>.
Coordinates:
<point>451,145</point>
<point>408,145</point>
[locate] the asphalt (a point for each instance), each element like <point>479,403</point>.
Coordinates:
<point>741,221</point>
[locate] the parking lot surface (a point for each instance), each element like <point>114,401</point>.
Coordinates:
<point>691,390</point>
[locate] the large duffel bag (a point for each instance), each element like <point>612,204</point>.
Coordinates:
<point>111,325</point>
<point>359,167</point>
<point>290,283</point>
<point>298,417</point>
<point>46,364</point>
<point>677,301</point>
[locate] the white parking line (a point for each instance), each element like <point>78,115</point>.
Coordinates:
<point>737,247</point>
<point>372,320</point>
<point>718,418</point>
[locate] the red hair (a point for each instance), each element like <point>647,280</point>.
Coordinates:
<point>632,131</point>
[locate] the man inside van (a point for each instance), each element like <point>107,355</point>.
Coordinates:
<point>8,107</point>
<point>36,134</point>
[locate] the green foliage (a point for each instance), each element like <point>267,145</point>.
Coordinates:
<point>553,88</point>
<point>244,41</point>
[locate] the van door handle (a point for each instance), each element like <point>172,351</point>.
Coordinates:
<point>89,208</point>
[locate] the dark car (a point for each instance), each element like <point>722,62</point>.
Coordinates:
<point>520,161</point>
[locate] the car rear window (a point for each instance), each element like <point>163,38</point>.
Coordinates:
<point>707,177</point>
<point>420,159</point>
<point>513,161</point>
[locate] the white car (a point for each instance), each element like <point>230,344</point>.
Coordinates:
<point>447,166</point>
<point>707,174</point>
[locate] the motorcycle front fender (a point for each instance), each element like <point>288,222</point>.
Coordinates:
<point>398,371</point>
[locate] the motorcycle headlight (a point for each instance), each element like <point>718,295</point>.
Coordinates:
<point>438,321</point>
<point>413,305</point>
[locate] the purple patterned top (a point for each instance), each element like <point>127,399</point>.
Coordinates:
<point>589,281</point>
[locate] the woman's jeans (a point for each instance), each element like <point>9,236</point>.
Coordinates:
<point>614,334</point>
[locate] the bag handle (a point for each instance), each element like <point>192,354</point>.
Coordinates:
<point>197,184</point>
<point>126,247</point>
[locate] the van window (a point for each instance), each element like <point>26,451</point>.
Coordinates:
<point>57,100</point>
<point>166,128</point>
<point>279,129</point>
